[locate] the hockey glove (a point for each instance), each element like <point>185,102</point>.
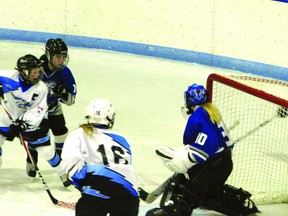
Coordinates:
<point>18,127</point>
<point>178,160</point>
<point>60,91</point>
<point>78,177</point>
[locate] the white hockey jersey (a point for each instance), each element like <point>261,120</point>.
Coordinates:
<point>107,157</point>
<point>28,103</point>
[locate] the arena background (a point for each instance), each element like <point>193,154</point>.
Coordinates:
<point>246,36</point>
<point>249,36</point>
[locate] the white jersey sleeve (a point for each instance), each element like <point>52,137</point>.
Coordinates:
<point>28,103</point>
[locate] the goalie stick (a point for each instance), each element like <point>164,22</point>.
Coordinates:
<point>69,205</point>
<point>151,197</point>
<point>282,112</point>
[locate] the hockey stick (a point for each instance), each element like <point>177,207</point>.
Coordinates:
<point>152,196</point>
<point>55,201</point>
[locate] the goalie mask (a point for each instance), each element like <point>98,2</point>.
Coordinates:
<point>195,95</point>
<point>100,112</point>
<point>57,48</point>
<point>25,65</point>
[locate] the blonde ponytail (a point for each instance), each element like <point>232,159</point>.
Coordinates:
<point>213,112</point>
<point>87,128</point>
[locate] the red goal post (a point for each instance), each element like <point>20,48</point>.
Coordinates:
<point>260,155</point>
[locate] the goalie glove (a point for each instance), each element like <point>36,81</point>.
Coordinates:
<point>178,160</point>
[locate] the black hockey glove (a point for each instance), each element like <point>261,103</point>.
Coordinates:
<point>60,92</point>
<point>18,127</point>
<point>59,89</point>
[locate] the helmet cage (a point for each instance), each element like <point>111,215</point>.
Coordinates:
<point>24,66</point>
<point>56,47</point>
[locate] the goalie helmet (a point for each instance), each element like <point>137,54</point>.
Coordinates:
<point>56,47</point>
<point>24,66</point>
<point>100,112</point>
<point>195,95</point>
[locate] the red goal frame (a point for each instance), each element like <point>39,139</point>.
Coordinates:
<point>258,93</point>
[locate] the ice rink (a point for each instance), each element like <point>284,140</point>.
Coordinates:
<point>147,94</point>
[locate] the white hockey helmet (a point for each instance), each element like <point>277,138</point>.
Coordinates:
<point>100,112</point>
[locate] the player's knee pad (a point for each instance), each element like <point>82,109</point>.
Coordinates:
<point>50,155</point>
<point>60,138</point>
<point>59,141</point>
<point>47,152</point>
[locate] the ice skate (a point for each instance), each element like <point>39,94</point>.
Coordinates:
<point>30,169</point>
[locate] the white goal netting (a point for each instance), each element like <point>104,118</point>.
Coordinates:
<point>260,154</point>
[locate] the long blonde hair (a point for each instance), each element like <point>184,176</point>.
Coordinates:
<point>213,112</point>
<point>87,128</point>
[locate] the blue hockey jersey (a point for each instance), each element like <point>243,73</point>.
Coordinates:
<point>206,139</point>
<point>62,77</point>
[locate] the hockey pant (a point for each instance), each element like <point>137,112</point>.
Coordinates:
<point>60,132</point>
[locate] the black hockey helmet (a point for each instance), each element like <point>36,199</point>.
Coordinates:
<point>56,47</point>
<point>24,66</point>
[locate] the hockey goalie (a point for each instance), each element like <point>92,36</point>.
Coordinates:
<point>202,166</point>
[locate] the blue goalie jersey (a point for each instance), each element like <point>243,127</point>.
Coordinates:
<point>206,139</point>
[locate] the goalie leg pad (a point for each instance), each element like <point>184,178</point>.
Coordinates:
<point>233,201</point>
<point>173,201</point>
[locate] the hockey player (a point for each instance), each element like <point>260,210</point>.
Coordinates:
<point>62,90</point>
<point>203,165</point>
<point>25,96</point>
<point>98,162</point>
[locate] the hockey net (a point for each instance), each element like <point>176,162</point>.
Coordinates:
<point>260,154</point>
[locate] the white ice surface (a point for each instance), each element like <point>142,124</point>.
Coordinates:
<point>147,94</point>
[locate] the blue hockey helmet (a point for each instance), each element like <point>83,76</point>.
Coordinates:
<point>195,95</point>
